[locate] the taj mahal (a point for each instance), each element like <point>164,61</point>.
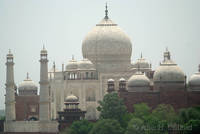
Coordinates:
<point>105,67</point>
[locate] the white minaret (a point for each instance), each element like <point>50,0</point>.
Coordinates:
<point>10,89</point>
<point>44,111</point>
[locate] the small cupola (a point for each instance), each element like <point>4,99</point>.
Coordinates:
<point>111,85</point>
<point>27,87</point>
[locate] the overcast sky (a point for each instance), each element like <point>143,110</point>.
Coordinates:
<point>152,26</point>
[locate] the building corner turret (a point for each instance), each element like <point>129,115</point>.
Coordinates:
<point>46,125</point>
<point>10,89</point>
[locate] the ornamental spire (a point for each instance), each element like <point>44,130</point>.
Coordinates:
<point>167,55</point>
<point>9,51</point>
<point>167,49</point>
<point>54,66</point>
<point>199,67</point>
<point>27,76</point>
<point>106,12</point>
<point>43,46</point>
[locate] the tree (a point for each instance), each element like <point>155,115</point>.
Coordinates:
<point>160,120</point>
<point>141,110</point>
<point>125,120</point>
<point>2,117</point>
<point>153,126</point>
<point>80,127</point>
<point>192,127</point>
<point>112,107</point>
<point>107,126</point>
<point>190,113</point>
<point>190,117</point>
<point>135,126</point>
<point>165,112</point>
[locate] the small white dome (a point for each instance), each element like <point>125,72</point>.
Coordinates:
<point>194,80</point>
<point>111,80</point>
<point>85,64</point>
<point>71,65</point>
<point>9,55</point>
<point>138,80</point>
<point>43,51</point>
<point>168,71</point>
<point>51,72</point>
<point>27,84</point>
<point>122,80</point>
<point>141,63</point>
<point>71,98</point>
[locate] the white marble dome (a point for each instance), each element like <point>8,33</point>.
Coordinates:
<point>51,74</point>
<point>27,84</point>
<point>138,80</point>
<point>168,72</point>
<point>71,65</point>
<point>122,80</point>
<point>107,43</point>
<point>111,80</point>
<point>194,80</point>
<point>85,64</point>
<point>141,63</point>
<point>71,98</point>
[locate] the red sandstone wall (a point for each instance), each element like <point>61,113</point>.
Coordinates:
<point>131,98</point>
<point>23,104</point>
<point>193,98</point>
<point>177,98</point>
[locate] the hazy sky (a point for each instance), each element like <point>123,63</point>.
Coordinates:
<point>152,26</point>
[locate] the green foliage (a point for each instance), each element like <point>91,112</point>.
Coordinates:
<point>190,117</point>
<point>125,120</point>
<point>2,117</point>
<point>114,119</point>
<point>141,110</point>
<point>135,126</point>
<point>157,121</point>
<point>80,127</point>
<point>165,112</point>
<point>112,107</point>
<point>190,113</point>
<point>192,127</point>
<point>107,126</point>
<point>154,125</point>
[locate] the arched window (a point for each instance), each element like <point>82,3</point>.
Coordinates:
<point>90,94</point>
<point>92,75</point>
<point>87,75</point>
<point>33,119</point>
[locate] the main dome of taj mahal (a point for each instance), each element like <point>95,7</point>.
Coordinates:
<point>107,45</point>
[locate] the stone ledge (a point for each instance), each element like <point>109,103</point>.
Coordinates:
<point>31,127</point>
